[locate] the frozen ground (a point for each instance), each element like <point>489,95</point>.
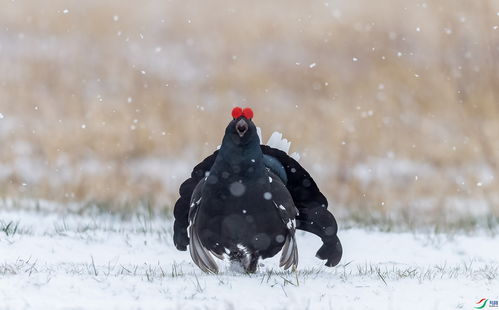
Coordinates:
<point>54,261</point>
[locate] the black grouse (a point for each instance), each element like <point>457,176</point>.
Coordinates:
<point>245,202</point>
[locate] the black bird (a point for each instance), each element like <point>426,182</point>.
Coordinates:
<point>245,202</point>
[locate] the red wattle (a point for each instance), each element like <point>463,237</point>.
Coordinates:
<point>248,113</point>
<point>237,112</point>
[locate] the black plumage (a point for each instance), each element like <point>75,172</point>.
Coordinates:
<point>246,201</point>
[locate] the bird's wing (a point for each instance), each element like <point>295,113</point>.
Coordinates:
<point>182,206</point>
<point>200,255</point>
<point>276,167</point>
<point>284,203</point>
<point>312,206</point>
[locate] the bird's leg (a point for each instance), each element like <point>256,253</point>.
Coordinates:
<point>252,263</point>
<point>237,261</point>
<point>244,261</point>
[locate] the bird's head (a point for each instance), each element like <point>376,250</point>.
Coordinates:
<point>241,129</point>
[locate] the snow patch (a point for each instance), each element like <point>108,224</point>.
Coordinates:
<point>57,261</point>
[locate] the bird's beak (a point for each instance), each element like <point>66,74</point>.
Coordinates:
<point>241,127</point>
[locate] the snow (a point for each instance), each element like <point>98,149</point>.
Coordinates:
<point>60,261</point>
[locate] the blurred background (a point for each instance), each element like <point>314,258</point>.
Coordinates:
<point>392,104</point>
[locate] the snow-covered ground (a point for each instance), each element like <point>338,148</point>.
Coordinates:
<point>54,261</point>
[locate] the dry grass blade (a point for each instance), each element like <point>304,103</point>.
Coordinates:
<point>393,104</point>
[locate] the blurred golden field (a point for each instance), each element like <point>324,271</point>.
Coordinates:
<point>393,105</point>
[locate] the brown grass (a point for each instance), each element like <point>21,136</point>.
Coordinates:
<point>350,83</point>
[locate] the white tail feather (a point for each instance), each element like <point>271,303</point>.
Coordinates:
<point>277,141</point>
<point>259,133</point>
<point>295,156</point>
